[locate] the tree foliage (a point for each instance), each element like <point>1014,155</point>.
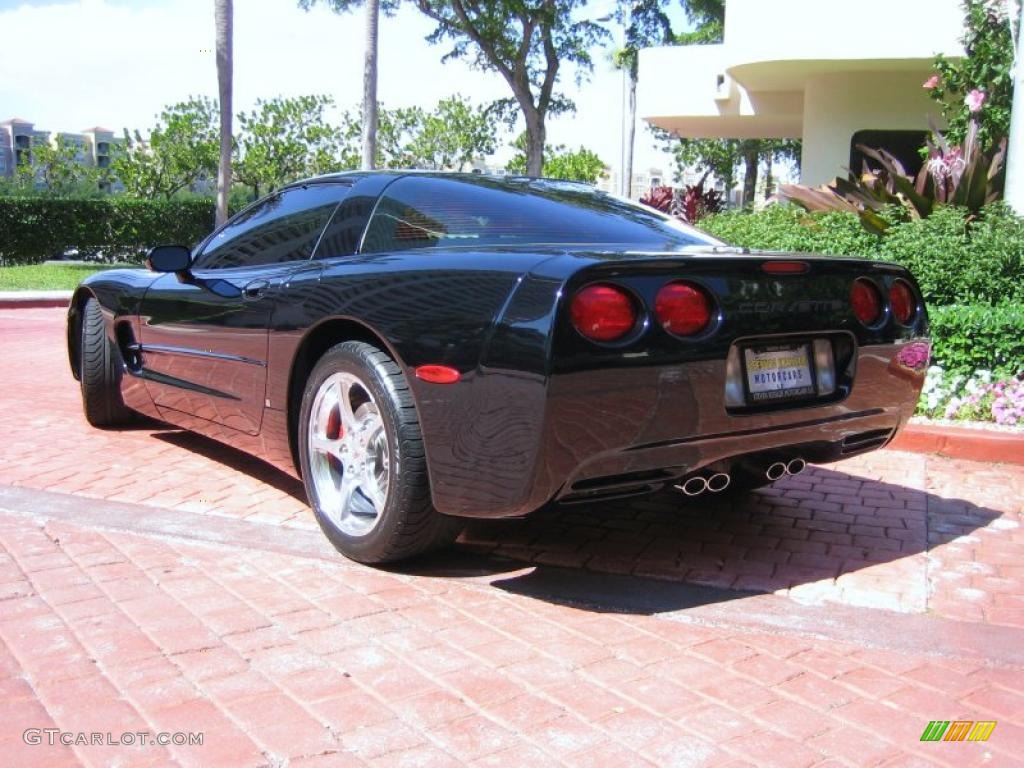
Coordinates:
<point>56,170</point>
<point>284,139</point>
<point>524,42</point>
<point>449,137</point>
<point>182,149</point>
<point>987,68</point>
<point>561,163</point>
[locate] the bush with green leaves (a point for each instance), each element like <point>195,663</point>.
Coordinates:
<point>789,228</point>
<point>36,229</point>
<point>974,337</point>
<point>957,258</point>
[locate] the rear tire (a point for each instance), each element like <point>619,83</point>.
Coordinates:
<point>362,458</point>
<point>99,372</point>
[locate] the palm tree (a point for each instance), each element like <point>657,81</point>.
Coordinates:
<point>370,86</point>
<point>625,59</point>
<point>223,15</point>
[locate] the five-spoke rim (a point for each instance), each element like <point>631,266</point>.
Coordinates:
<point>349,455</point>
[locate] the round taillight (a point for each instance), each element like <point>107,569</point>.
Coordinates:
<point>603,312</point>
<point>683,309</point>
<point>866,301</point>
<point>901,299</point>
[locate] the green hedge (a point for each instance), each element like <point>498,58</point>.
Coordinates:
<point>35,229</point>
<point>972,337</point>
<point>788,228</point>
<point>956,261</point>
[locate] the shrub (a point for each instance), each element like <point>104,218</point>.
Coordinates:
<point>959,261</point>
<point>972,337</point>
<point>35,229</point>
<point>956,258</point>
<point>788,228</point>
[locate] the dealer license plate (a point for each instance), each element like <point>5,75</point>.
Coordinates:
<point>778,372</point>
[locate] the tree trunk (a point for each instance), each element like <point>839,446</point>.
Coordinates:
<point>750,158</point>
<point>768,180</point>
<point>370,87</point>
<point>627,166</point>
<point>535,135</point>
<point>223,16</point>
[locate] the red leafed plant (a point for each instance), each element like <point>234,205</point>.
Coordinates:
<point>691,204</point>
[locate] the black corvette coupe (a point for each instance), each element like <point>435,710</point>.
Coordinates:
<point>423,347</point>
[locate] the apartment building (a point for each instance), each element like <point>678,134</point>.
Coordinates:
<point>18,136</point>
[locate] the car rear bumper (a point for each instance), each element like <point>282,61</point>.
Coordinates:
<point>611,432</point>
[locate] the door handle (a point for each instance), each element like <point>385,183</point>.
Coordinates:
<point>255,289</point>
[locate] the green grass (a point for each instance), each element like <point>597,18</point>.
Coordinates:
<point>49,277</point>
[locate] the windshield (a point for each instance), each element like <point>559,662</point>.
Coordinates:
<point>437,212</point>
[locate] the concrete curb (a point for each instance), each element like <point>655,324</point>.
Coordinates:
<point>34,299</point>
<point>961,443</point>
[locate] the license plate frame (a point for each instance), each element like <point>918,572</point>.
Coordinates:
<point>755,360</point>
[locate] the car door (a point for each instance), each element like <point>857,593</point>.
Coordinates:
<point>204,334</point>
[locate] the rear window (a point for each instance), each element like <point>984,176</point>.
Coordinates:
<point>431,212</point>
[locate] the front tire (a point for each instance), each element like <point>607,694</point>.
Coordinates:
<point>99,372</point>
<point>363,465</point>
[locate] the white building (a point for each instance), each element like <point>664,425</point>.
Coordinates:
<point>830,72</point>
<point>643,181</point>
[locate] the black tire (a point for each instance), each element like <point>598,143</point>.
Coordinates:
<point>408,524</point>
<point>99,372</point>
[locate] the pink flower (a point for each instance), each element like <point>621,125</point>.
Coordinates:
<point>974,101</point>
<point>931,82</point>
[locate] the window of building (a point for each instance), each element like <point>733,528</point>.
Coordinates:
<point>279,228</point>
<point>905,146</point>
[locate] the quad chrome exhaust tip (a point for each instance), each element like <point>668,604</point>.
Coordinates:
<point>698,484</point>
<point>718,482</point>
<point>780,468</point>
<point>695,486</point>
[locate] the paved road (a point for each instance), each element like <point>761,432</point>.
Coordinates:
<point>151,580</point>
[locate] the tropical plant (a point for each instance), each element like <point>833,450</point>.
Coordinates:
<point>224,18</point>
<point>691,204</point>
<point>979,86</point>
<point>953,175</point>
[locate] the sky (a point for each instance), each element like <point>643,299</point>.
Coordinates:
<point>68,65</point>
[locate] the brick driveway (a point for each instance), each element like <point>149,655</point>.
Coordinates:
<point>154,580</point>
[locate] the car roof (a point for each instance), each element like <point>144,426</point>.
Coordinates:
<point>351,177</point>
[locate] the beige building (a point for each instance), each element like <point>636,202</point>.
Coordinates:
<point>18,137</point>
<point>831,73</point>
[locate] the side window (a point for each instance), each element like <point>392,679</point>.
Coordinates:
<point>283,227</point>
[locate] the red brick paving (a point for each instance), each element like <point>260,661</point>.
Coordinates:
<point>905,532</point>
<point>287,658</point>
<point>258,651</point>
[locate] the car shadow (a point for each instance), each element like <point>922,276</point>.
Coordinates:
<point>846,537</point>
<point>841,534</point>
<point>234,459</point>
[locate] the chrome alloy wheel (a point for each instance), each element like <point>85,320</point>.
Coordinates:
<point>349,455</point>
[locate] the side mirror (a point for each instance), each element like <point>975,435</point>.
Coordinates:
<point>169,258</point>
